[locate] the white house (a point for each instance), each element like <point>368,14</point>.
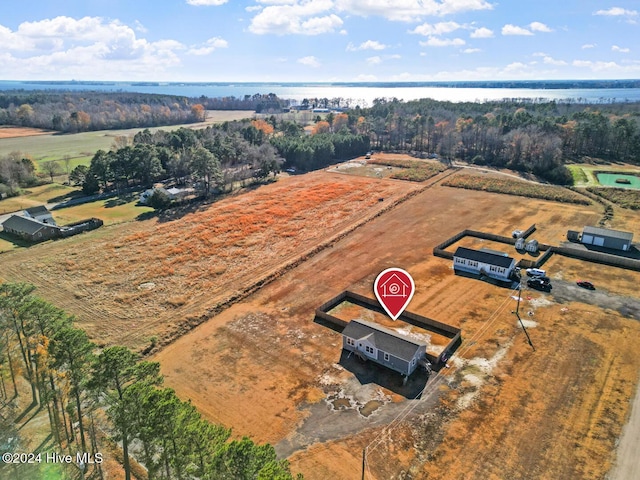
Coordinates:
<point>41,214</point>
<point>493,265</point>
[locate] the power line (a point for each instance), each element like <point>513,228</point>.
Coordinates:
<point>431,386</point>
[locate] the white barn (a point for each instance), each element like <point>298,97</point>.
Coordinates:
<point>493,265</point>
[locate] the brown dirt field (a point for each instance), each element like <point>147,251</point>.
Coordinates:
<point>148,278</point>
<point>282,362</point>
<point>14,132</point>
<point>266,369</point>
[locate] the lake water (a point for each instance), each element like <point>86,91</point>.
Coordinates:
<point>357,94</point>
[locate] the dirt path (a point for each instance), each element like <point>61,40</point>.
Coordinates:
<point>627,464</point>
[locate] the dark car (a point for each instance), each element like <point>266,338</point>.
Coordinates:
<point>585,284</point>
<point>538,284</point>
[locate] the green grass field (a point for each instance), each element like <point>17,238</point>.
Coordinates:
<point>81,146</point>
<point>112,210</point>
<point>35,196</point>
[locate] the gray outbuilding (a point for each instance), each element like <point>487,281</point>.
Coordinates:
<point>603,237</point>
<point>383,346</point>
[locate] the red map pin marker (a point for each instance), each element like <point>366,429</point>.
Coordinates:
<point>394,289</point>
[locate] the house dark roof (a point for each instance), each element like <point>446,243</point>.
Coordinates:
<point>483,257</point>
<point>605,232</point>
<point>23,224</point>
<point>384,339</point>
<point>39,210</point>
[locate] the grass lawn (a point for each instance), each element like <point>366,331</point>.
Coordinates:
<point>35,196</point>
<point>112,210</point>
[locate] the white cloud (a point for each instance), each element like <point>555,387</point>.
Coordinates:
<point>207,3</point>
<point>471,50</point>
<point>86,47</point>
<point>374,60</point>
<point>368,45</point>
<point>443,42</point>
<point>366,78</point>
<point>410,10</point>
<point>307,17</point>
<point>617,12</point>
<point>539,27</point>
<point>209,46</point>
<point>253,8</point>
<point>616,48</point>
<point>552,61</point>
<point>436,29</point>
<point>588,45</point>
<point>309,61</point>
<point>481,32</point>
<point>515,30</point>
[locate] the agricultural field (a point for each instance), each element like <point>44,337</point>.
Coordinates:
<point>251,269</point>
<point>623,197</point>
<point>80,147</point>
<point>492,183</point>
<point>391,165</point>
<point>200,259</point>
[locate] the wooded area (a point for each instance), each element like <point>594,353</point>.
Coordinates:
<point>87,390</point>
<point>71,112</point>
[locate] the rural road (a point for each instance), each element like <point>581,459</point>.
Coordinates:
<point>627,464</point>
<point>564,292</point>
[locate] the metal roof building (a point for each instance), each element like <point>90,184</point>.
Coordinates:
<point>606,238</point>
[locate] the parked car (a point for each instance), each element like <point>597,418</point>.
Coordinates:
<point>585,284</point>
<point>538,284</point>
<point>536,272</point>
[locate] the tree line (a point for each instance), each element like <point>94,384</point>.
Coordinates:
<point>531,136</point>
<point>72,112</point>
<point>215,157</point>
<point>86,389</point>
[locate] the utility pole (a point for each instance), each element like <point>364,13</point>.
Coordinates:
<point>364,456</point>
<point>517,312</point>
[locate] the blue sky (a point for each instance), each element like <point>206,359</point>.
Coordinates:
<point>319,40</point>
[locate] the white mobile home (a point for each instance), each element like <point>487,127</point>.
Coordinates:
<point>499,267</point>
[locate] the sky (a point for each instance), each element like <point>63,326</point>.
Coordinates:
<point>319,40</point>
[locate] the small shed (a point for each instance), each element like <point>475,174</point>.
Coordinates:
<point>383,346</point>
<point>603,237</point>
<point>532,246</point>
<point>520,243</point>
<point>573,235</point>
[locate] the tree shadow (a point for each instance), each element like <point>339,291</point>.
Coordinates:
<point>26,412</point>
<point>66,197</point>
<point>45,444</point>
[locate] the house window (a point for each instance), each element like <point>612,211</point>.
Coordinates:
<point>386,357</point>
<point>493,269</point>
<point>413,361</point>
<point>369,349</point>
<point>473,264</point>
<point>350,341</point>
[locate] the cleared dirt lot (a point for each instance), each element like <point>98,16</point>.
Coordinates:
<point>127,285</point>
<point>264,368</point>
<point>281,376</point>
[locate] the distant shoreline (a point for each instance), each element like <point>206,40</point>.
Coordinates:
<point>526,84</point>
